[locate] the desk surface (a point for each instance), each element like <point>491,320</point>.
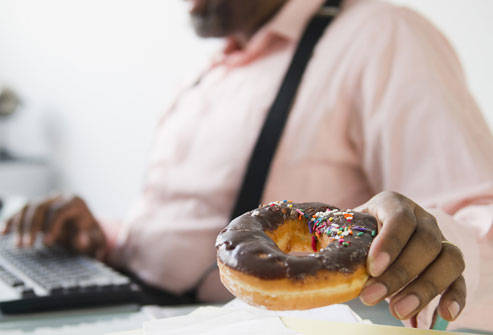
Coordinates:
<point>92,321</point>
<point>103,320</point>
<point>96,321</point>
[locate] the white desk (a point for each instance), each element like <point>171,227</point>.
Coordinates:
<point>96,321</point>
<point>93,321</point>
<point>99,321</point>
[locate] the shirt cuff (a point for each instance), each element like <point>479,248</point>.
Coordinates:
<point>111,230</point>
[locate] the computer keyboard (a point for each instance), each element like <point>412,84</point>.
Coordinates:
<point>42,278</point>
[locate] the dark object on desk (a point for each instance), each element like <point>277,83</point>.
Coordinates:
<point>41,279</point>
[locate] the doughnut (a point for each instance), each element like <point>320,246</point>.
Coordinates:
<point>291,256</point>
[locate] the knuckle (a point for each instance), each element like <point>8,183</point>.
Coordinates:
<point>431,241</point>
<point>394,245</point>
<point>431,223</point>
<point>398,277</point>
<point>23,209</point>
<point>40,211</point>
<point>45,202</point>
<point>53,208</point>
<point>398,196</point>
<point>76,203</point>
<point>427,289</point>
<point>404,215</point>
<point>455,257</point>
<point>391,194</point>
<point>75,200</point>
<point>66,204</point>
<point>427,235</point>
<point>55,211</point>
<point>385,196</point>
<point>431,219</point>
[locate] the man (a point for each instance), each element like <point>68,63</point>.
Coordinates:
<point>383,105</point>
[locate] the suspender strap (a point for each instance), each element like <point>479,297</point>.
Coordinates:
<point>252,188</point>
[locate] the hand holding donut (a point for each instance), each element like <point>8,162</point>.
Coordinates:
<point>64,220</point>
<point>412,257</point>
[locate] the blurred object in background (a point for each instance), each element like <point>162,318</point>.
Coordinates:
<point>26,179</point>
<point>9,104</point>
<point>20,176</point>
<point>9,206</point>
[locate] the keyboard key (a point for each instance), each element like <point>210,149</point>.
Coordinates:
<point>27,292</point>
<point>9,278</point>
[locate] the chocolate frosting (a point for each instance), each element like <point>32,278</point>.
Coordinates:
<point>244,246</point>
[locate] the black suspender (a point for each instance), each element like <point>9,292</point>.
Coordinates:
<point>260,161</point>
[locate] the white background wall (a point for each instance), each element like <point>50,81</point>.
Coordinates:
<point>95,75</point>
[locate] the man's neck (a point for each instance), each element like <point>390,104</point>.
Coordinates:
<point>267,13</point>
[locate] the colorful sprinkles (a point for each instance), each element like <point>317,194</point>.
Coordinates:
<point>334,223</point>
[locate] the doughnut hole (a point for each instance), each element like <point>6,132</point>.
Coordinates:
<point>293,237</point>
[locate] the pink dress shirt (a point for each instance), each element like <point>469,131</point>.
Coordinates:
<point>383,105</point>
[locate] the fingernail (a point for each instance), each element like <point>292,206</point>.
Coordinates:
<point>453,309</point>
<point>373,293</point>
<point>406,306</point>
<point>378,264</point>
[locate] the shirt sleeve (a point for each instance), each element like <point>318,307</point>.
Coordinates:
<point>422,134</point>
<point>110,229</point>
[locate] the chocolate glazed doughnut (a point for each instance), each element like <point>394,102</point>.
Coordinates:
<point>287,256</point>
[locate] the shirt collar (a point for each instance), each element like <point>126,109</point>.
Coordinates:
<point>288,25</point>
<point>292,18</point>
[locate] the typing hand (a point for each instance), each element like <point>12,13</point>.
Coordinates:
<point>65,221</point>
<point>410,260</point>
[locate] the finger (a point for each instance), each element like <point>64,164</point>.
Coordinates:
<point>101,244</point>
<point>82,235</point>
<point>61,211</point>
<point>25,224</point>
<point>397,223</point>
<point>453,300</point>
<point>19,223</point>
<point>96,241</point>
<point>39,219</point>
<point>83,242</point>
<point>57,220</point>
<point>9,224</point>
<point>438,276</point>
<point>68,218</point>
<point>425,242</point>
